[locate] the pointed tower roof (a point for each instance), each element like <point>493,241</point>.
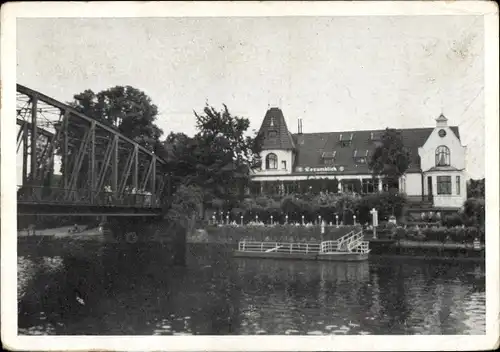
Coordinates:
<point>441,118</point>
<point>441,121</point>
<point>275,132</point>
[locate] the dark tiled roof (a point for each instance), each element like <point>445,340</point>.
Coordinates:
<point>311,146</point>
<point>274,124</point>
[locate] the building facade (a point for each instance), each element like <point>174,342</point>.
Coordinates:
<point>340,160</point>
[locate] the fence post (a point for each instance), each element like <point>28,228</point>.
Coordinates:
<point>307,248</point>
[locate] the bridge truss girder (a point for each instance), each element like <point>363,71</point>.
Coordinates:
<point>99,165</point>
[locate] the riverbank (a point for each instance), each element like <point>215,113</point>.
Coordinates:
<point>62,240</point>
<point>231,235</point>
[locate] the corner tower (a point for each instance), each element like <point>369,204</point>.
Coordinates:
<point>278,146</point>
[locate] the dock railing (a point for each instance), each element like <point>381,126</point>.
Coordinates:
<point>279,247</point>
<point>349,243</point>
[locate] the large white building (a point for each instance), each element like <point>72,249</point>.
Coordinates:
<point>436,172</point>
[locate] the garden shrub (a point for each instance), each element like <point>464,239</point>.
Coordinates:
<point>186,202</point>
<point>453,220</point>
<point>442,234</point>
<point>474,210</point>
<point>384,202</point>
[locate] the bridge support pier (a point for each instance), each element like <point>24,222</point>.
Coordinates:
<point>151,236</point>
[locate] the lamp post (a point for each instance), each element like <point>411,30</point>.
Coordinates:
<point>256,218</point>
<point>374,213</point>
<point>286,219</point>
<point>337,219</point>
<point>354,219</point>
<point>227,219</point>
<point>271,220</point>
<point>303,220</point>
<point>213,219</point>
<point>241,220</point>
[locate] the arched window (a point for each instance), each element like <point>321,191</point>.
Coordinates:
<point>271,161</point>
<point>442,156</point>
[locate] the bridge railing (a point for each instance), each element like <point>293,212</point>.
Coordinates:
<point>52,195</point>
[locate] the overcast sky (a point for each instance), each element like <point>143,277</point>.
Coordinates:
<point>337,73</point>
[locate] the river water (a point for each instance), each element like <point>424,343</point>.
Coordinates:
<point>215,294</point>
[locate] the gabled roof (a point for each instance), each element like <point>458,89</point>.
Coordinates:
<point>311,146</point>
<point>274,124</point>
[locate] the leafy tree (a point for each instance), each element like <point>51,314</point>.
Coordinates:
<point>127,110</point>
<point>217,158</point>
<point>391,158</point>
<point>475,188</point>
<point>474,209</point>
<point>186,203</point>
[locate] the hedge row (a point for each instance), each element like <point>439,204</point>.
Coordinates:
<point>440,234</point>
<point>289,233</point>
<point>326,205</point>
<point>279,233</point>
<point>329,206</point>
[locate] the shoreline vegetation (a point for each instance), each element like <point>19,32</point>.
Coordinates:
<point>448,243</point>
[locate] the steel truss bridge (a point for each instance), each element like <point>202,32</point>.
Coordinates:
<point>73,164</point>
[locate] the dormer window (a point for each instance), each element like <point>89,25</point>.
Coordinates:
<point>329,157</point>
<point>442,156</point>
<point>346,139</point>
<point>359,158</point>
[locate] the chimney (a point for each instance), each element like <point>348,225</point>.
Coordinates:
<point>299,125</point>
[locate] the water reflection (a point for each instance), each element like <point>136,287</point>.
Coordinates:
<point>127,293</point>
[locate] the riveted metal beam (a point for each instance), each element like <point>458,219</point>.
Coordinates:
<point>79,159</point>
<point>92,175</point>
<point>34,137</point>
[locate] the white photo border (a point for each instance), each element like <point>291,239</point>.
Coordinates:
<point>11,11</point>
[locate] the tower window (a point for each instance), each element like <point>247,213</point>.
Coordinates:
<point>442,156</point>
<point>272,134</point>
<point>271,161</point>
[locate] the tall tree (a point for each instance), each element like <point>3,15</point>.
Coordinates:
<point>227,151</point>
<point>218,157</point>
<point>127,110</point>
<point>475,188</point>
<point>391,157</point>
